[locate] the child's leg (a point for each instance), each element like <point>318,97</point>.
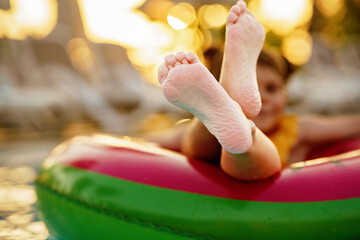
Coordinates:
<point>247,153</point>
<point>260,162</point>
<point>244,40</point>
<point>188,84</point>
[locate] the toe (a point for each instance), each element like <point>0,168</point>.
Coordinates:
<point>192,58</point>
<point>242,6</point>
<point>235,9</point>
<point>170,60</point>
<point>162,73</point>
<point>231,18</point>
<point>180,56</point>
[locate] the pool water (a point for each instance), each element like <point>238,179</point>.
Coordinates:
<point>18,216</point>
<point>19,164</point>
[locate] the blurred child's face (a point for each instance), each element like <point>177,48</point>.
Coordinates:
<point>272,90</point>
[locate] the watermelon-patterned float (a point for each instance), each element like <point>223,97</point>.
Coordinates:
<point>103,187</point>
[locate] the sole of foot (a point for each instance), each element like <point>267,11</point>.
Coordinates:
<point>188,84</point>
<point>244,41</point>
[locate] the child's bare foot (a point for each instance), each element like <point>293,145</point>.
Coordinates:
<point>188,84</point>
<point>244,40</point>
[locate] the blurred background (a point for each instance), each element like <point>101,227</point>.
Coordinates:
<point>72,67</point>
<point>69,67</point>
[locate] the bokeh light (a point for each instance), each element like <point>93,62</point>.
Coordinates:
<point>119,22</point>
<point>176,23</point>
<point>188,40</point>
<point>213,16</point>
<point>297,47</point>
<point>181,16</point>
<point>283,9</point>
<point>282,16</point>
<point>331,8</point>
<point>80,54</point>
<point>207,38</point>
<point>35,18</point>
<point>144,57</point>
<point>150,29</point>
<point>158,9</point>
<point>147,41</point>
<point>333,35</point>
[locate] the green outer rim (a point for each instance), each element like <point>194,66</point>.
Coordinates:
<point>69,219</point>
<point>80,204</point>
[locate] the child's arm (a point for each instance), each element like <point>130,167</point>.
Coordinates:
<point>168,138</point>
<point>319,129</point>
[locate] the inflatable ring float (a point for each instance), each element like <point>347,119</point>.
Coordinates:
<point>103,187</point>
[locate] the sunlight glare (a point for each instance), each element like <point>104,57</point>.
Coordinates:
<point>283,9</point>
<point>35,18</point>
<point>118,22</point>
<point>282,16</point>
<point>181,16</point>
<point>176,23</point>
<point>146,41</point>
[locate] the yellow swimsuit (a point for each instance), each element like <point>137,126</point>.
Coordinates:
<point>285,137</point>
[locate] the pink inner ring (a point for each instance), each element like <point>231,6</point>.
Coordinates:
<point>323,182</point>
